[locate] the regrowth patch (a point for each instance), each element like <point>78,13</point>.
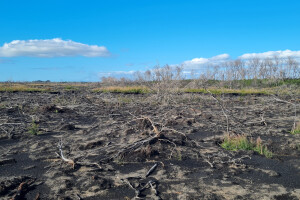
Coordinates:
<point>240,142</point>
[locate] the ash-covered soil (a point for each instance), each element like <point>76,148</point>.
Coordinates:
<point>142,146</point>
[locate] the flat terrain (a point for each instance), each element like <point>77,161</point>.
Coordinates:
<point>124,146</point>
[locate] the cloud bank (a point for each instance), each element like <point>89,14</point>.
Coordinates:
<point>271,54</point>
<point>198,63</point>
<point>51,48</point>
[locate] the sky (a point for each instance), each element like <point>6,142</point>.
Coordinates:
<point>84,40</point>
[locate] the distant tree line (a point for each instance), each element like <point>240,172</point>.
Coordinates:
<point>234,73</point>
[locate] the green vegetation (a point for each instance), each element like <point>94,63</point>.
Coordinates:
<point>250,83</point>
<point>21,88</point>
<point>178,155</point>
<point>266,82</point>
<point>240,142</point>
<point>34,129</point>
<point>70,88</point>
<point>166,84</point>
<point>124,90</point>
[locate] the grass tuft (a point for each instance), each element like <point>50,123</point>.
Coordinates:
<point>240,142</point>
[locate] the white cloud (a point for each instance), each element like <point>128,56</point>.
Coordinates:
<point>51,48</point>
<point>271,54</point>
<point>196,63</point>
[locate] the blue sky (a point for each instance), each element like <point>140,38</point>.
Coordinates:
<point>95,38</point>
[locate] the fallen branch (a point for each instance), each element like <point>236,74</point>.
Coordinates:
<point>151,169</point>
<point>137,192</point>
<point>154,188</point>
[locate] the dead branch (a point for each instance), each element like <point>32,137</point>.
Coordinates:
<point>165,140</point>
<point>155,129</point>
<point>131,147</point>
<point>61,155</point>
<point>206,160</point>
<point>89,164</point>
<point>78,197</point>
<point>295,109</point>
<point>154,188</point>
<point>10,124</point>
<point>222,107</point>
<point>171,129</point>
<point>151,170</point>
<point>137,192</point>
<point>262,121</point>
<point>148,185</point>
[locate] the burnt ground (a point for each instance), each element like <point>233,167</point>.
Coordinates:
<point>116,139</point>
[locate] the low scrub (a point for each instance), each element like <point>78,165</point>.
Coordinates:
<point>124,90</point>
<point>227,91</point>
<point>21,88</point>
<point>240,142</point>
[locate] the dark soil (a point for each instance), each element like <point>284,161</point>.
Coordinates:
<point>114,140</point>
